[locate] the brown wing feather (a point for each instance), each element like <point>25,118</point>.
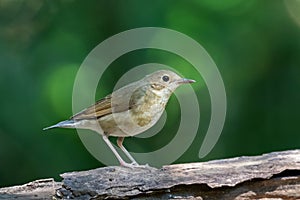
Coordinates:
<point>122,101</point>
<point>99,109</point>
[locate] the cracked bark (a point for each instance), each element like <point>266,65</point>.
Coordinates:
<point>270,176</point>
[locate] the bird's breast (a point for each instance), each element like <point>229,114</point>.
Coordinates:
<point>148,110</point>
<point>145,110</point>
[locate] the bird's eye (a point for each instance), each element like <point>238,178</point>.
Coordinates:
<point>165,78</point>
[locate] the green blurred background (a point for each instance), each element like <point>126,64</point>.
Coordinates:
<point>255,44</point>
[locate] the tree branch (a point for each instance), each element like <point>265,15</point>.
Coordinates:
<point>273,175</point>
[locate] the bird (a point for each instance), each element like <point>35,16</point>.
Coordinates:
<point>128,111</point>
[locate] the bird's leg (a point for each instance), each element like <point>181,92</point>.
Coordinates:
<point>106,140</point>
<point>120,144</point>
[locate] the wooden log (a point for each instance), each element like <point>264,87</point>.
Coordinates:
<point>270,176</point>
<point>39,189</point>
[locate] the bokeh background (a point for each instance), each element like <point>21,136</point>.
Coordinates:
<point>255,44</point>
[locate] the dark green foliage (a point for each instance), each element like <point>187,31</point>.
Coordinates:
<point>255,45</point>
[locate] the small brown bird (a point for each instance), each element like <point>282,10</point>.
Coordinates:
<point>128,111</point>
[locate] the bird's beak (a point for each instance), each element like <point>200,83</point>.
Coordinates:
<point>184,81</point>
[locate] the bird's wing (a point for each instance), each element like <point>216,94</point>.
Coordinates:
<point>115,103</point>
<point>101,108</point>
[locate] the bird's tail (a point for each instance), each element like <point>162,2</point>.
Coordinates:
<point>63,124</point>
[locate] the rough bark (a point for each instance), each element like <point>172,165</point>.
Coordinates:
<point>39,189</point>
<point>270,176</point>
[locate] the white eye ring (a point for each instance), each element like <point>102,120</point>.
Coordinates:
<point>165,78</point>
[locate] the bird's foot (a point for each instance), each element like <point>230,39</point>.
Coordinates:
<point>130,165</point>
<point>136,165</point>
<point>147,166</point>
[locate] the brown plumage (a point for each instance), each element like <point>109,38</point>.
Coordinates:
<point>129,110</point>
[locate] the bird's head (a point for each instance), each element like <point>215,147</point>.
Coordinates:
<point>165,81</point>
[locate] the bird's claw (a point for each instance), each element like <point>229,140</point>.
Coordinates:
<point>134,165</point>
<point>130,165</point>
